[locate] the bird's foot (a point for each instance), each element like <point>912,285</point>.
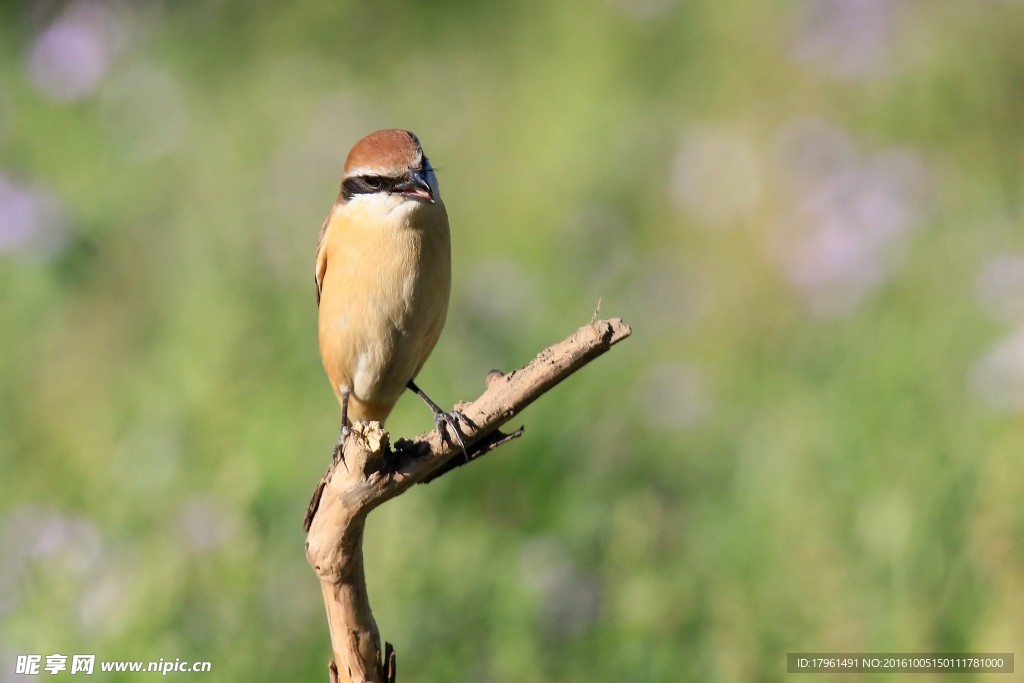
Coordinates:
<point>445,421</point>
<point>339,448</point>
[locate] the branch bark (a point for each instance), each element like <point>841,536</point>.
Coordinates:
<point>371,472</point>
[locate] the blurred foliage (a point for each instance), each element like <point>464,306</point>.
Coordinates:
<point>809,211</point>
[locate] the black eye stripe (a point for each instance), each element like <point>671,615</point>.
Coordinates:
<point>367,184</point>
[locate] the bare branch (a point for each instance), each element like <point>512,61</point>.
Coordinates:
<point>372,473</point>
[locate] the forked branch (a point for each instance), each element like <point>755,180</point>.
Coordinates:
<point>371,473</point>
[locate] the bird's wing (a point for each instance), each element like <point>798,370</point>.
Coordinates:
<point>321,256</point>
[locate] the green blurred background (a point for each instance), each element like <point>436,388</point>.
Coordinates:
<point>808,210</point>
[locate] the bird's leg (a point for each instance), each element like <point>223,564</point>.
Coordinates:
<point>443,419</point>
<point>339,448</point>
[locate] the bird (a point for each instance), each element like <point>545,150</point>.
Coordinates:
<point>383,279</point>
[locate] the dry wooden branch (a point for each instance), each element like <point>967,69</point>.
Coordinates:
<point>371,473</point>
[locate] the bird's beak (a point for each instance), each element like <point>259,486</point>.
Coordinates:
<point>416,185</point>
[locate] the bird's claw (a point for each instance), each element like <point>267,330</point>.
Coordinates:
<point>339,448</point>
<point>443,421</point>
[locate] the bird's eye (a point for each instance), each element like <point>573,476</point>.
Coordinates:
<point>365,184</point>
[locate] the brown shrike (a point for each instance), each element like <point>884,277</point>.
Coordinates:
<point>383,276</point>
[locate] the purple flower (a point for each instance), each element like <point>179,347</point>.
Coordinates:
<point>849,219</point>
<point>72,56</point>
<point>31,220</point>
<point>844,38</point>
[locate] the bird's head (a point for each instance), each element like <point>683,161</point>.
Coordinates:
<point>389,164</point>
